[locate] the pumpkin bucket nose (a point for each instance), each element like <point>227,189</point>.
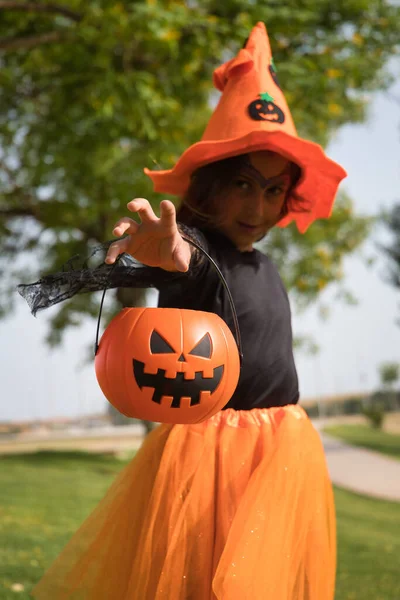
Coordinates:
<point>181,358</point>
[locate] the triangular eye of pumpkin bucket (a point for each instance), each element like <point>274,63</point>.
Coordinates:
<point>203,348</point>
<point>158,345</point>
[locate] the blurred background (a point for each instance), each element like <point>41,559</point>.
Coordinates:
<point>92,92</point>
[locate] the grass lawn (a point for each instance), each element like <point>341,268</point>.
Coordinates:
<point>44,497</point>
<point>366,437</point>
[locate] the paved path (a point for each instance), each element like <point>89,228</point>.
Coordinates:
<point>361,470</point>
<point>103,439</point>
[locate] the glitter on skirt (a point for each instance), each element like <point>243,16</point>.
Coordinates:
<point>239,507</point>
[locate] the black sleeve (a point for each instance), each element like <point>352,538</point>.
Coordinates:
<point>195,239</point>
<point>80,277</point>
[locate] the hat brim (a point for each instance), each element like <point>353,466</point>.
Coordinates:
<point>314,194</point>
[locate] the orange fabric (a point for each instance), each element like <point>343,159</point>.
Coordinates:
<point>252,115</point>
<point>239,507</point>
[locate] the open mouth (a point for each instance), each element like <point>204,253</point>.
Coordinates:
<point>177,387</point>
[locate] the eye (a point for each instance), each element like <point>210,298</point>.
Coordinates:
<point>203,348</point>
<point>158,345</point>
<point>242,184</point>
<point>276,190</point>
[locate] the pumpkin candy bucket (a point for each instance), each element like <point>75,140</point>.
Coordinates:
<point>168,365</point>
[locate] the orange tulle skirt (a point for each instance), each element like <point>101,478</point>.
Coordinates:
<point>239,507</point>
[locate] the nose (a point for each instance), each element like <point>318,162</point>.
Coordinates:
<point>256,202</point>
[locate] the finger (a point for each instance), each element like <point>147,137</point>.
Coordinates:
<point>182,257</point>
<point>168,214</point>
<point>115,250</point>
<point>125,225</point>
<point>143,208</point>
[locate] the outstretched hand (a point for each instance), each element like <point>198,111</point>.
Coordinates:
<point>154,241</point>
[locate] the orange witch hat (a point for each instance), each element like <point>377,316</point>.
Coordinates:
<point>252,115</point>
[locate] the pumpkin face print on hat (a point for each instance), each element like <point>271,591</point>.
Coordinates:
<point>264,109</point>
<point>167,365</point>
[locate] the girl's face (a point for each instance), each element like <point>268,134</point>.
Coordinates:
<point>253,202</point>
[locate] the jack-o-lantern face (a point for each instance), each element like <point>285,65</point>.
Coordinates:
<point>266,110</point>
<point>167,365</point>
<point>178,387</point>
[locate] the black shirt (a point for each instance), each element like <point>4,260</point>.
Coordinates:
<point>268,375</point>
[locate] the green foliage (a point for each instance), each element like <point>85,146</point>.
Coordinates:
<point>118,419</point>
<point>388,398</point>
<point>389,374</point>
<point>392,251</point>
<point>312,411</point>
<point>309,263</point>
<point>375,413</point>
<point>373,407</point>
<point>94,91</point>
<point>352,406</point>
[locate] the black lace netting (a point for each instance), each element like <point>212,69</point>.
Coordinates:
<point>78,277</point>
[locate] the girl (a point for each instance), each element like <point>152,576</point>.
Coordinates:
<point>239,506</point>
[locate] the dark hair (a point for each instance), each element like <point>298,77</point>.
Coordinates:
<point>208,182</point>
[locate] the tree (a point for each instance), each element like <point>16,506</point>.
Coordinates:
<point>392,251</point>
<point>94,91</point>
<point>389,375</point>
<point>118,419</point>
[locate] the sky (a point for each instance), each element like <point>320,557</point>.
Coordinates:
<point>355,340</point>
<point>38,382</point>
